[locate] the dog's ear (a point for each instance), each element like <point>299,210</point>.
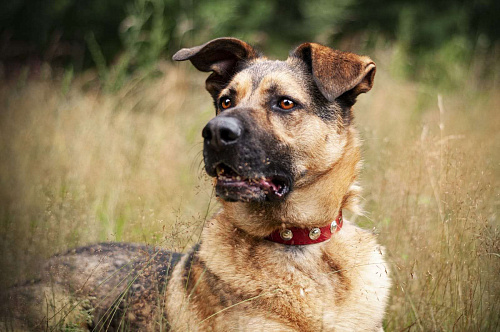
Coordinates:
<point>222,56</point>
<point>337,73</point>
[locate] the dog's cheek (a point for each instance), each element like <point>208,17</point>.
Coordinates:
<point>314,144</point>
<point>335,144</point>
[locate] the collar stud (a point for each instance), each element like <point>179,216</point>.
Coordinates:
<point>286,234</point>
<point>315,233</point>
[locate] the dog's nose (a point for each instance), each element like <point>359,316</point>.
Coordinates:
<point>222,131</point>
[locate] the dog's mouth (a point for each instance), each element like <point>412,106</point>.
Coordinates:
<point>232,186</point>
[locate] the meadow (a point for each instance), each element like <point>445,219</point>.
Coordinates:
<point>80,165</point>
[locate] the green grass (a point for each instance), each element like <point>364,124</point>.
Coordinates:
<point>80,166</point>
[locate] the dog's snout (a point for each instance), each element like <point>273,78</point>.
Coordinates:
<point>222,131</point>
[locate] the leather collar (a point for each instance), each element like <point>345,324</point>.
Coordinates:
<point>295,236</point>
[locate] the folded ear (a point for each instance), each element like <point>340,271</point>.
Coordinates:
<point>222,56</point>
<point>337,73</point>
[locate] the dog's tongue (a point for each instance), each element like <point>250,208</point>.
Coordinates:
<point>270,186</point>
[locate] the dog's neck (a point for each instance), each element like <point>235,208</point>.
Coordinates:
<point>314,205</point>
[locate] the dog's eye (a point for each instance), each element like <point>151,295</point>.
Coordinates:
<point>286,104</point>
<point>225,103</point>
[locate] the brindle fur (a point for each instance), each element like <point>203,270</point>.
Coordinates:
<point>235,280</point>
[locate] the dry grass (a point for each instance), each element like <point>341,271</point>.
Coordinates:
<point>431,188</point>
<point>81,167</point>
<point>86,167</point>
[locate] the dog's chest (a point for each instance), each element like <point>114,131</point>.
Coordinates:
<point>325,295</point>
<point>306,289</point>
<point>246,285</point>
<point>307,298</point>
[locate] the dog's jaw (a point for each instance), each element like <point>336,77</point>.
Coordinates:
<point>232,187</point>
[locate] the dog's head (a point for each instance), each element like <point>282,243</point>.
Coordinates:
<point>281,126</point>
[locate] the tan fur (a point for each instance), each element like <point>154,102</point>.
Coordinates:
<point>240,282</point>
<point>341,285</point>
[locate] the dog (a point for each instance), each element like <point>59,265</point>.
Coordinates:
<point>278,256</point>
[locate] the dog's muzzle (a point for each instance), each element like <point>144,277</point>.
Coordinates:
<point>233,153</point>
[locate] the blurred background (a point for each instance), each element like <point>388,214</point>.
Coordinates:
<point>430,37</point>
<point>100,133</point>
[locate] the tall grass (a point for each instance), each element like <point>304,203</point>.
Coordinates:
<point>432,193</point>
<point>84,166</point>
<point>80,166</point>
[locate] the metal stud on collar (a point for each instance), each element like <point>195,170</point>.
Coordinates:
<point>286,234</point>
<point>333,226</point>
<point>315,233</point>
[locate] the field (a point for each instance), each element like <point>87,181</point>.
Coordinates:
<point>80,166</point>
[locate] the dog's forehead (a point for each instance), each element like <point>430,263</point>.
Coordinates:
<point>265,74</point>
<point>261,68</point>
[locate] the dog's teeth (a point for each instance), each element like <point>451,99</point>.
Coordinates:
<point>238,178</point>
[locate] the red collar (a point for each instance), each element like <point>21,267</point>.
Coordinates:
<point>296,236</point>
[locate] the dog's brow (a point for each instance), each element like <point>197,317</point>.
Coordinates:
<point>274,89</point>
<point>239,86</point>
<point>229,92</point>
<point>282,85</point>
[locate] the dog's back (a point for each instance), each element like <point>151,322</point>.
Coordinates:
<point>105,286</point>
